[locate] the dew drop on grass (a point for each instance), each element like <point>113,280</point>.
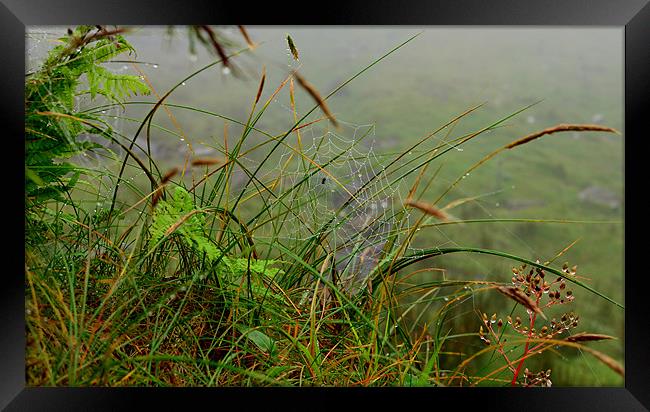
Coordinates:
<point>155,66</point>
<point>225,70</point>
<point>183,84</point>
<point>446,298</point>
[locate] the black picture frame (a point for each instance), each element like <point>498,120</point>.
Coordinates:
<point>633,15</point>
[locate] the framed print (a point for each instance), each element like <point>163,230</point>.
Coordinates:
<point>426,201</point>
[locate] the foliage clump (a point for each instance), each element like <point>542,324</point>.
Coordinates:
<point>52,123</point>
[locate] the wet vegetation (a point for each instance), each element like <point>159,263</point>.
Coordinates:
<point>269,232</point>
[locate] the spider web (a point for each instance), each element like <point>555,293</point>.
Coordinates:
<point>337,189</point>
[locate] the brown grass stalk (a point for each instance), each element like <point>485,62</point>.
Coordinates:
<point>520,297</point>
<point>427,209</point>
<point>244,33</point>
<point>261,87</point>
<point>562,128</point>
<point>588,337</point>
<point>309,88</point>
<point>206,161</point>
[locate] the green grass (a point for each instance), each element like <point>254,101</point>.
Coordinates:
<point>251,285</point>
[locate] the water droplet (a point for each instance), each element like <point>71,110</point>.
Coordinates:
<point>155,66</point>
<point>497,204</point>
<point>125,67</point>
<point>446,298</point>
<point>460,149</point>
<point>183,84</point>
<point>225,70</point>
<point>182,139</point>
<point>410,152</point>
<point>103,111</point>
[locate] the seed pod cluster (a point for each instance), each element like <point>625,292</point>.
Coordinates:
<point>541,378</point>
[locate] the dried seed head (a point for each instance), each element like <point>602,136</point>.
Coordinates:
<point>206,161</point>
<point>309,88</point>
<point>428,209</point>
<point>521,298</point>
<point>587,337</point>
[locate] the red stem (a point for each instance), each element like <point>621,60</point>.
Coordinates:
<point>532,317</point>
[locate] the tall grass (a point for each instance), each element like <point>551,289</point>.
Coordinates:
<point>192,279</point>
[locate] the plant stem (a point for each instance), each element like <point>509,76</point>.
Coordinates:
<point>532,316</point>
